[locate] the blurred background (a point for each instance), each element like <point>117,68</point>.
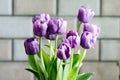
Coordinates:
<point>16,26</point>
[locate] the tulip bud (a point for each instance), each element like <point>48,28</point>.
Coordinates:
<point>87,40</point>
<point>63,51</point>
<point>42,18</point>
<point>50,36</point>
<point>40,29</point>
<point>85,15</point>
<point>73,39</point>
<point>57,26</point>
<point>92,28</point>
<point>31,46</point>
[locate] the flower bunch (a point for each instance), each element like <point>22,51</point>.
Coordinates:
<point>63,61</point>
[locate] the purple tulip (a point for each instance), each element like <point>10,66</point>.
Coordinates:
<point>63,51</point>
<point>73,39</point>
<point>87,40</point>
<point>85,15</point>
<point>57,26</point>
<point>40,29</point>
<point>31,46</point>
<point>50,36</point>
<point>92,28</point>
<point>42,18</point>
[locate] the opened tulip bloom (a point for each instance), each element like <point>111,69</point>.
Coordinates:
<point>43,18</point>
<point>63,51</point>
<point>85,14</point>
<point>31,46</point>
<point>57,26</point>
<point>73,39</point>
<point>92,28</point>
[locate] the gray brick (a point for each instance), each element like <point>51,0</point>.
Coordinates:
<point>102,70</point>
<point>19,51</point>
<point>70,7</point>
<point>5,49</point>
<point>110,50</point>
<point>31,7</point>
<point>11,27</point>
<point>5,7</point>
<point>93,53</point>
<point>109,26</point>
<point>14,71</point>
<point>111,7</point>
<point>71,23</point>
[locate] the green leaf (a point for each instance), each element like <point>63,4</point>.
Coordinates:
<point>52,70</point>
<point>32,62</point>
<point>35,65</point>
<point>33,71</point>
<point>76,60</point>
<point>47,45</point>
<point>46,58</point>
<point>84,76</point>
<point>72,75</point>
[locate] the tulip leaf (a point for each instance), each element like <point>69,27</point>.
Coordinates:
<point>72,75</point>
<point>35,65</point>
<point>76,60</point>
<point>46,58</point>
<point>34,72</point>
<point>32,61</point>
<point>84,76</point>
<point>52,69</point>
<point>47,45</point>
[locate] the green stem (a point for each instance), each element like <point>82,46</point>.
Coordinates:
<point>56,39</point>
<point>50,42</point>
<point>71,59</point>
<point>78,27</point>
<point>59,69</point>
<point>82,55</point>
<point>42,61</point>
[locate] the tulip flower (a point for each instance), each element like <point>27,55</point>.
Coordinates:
<point>57,26</point>
<point>42,18</point>
<point>92,28</point>
<point>63,51</point>
<point>85,15</point>
<point>87,40</point>
<point>31,46</point>
<point>40,29</point>
<point>50,36</point>
<point>73,39</point>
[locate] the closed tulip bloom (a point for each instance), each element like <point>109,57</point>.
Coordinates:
<point>57,26</point>
<point>31,46</point>
<point>42,18</point>
<point>63,51</point>
<point>40,29</point>
<point>85,15</point>
<point>92,28</point>
<point>50,36</point>
<point>87,40</point>
<point>73,39</point>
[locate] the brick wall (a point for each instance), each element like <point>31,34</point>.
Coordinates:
<point>16,26</point>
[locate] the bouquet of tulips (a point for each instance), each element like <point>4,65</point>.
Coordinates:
<point>63,60</point>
